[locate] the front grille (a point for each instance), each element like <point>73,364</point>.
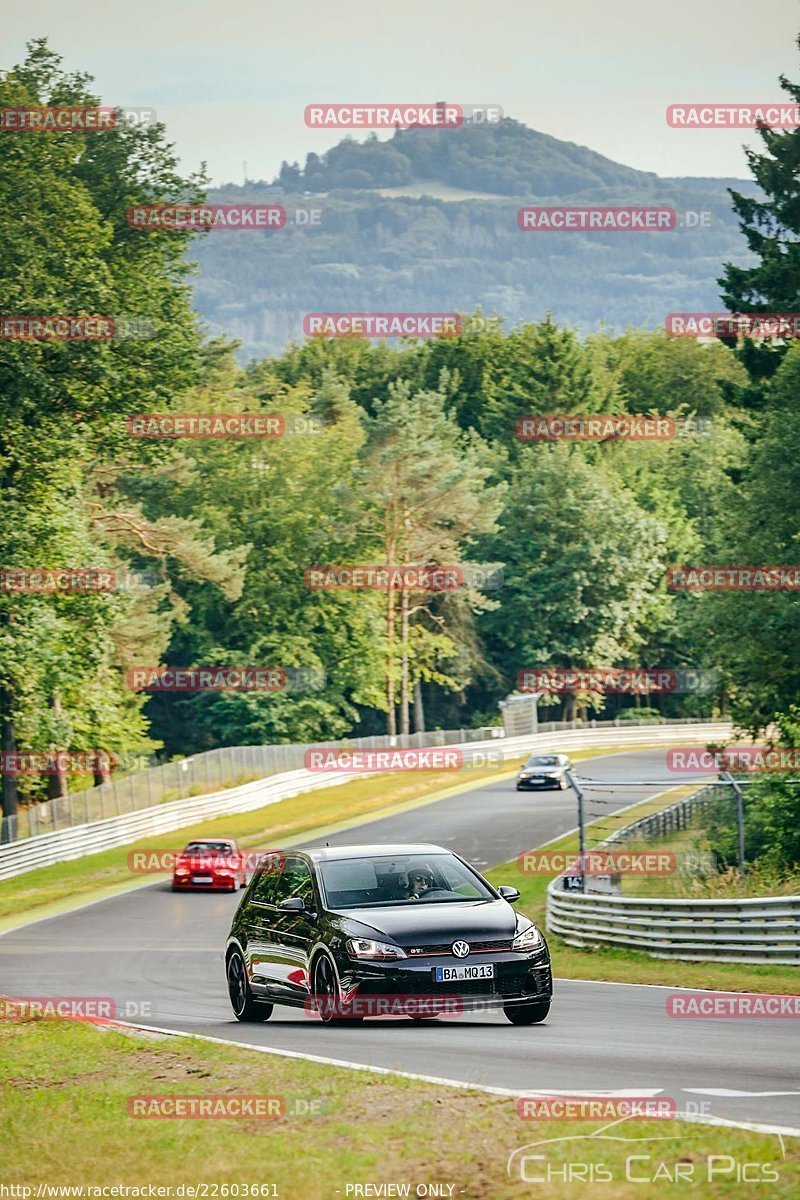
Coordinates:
<point>447,948</point>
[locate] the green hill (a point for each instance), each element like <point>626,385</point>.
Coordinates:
<point>411,251</point>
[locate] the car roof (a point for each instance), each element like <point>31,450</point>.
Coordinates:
<point>330,853</point>
<point>204,840</point>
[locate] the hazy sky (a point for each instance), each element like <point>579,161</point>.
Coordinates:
<point>231,80</point>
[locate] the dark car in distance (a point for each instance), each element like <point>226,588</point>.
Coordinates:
<point>343,931</point>
<point>542,771</point>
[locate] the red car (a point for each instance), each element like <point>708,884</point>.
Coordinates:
<point>215,865</point>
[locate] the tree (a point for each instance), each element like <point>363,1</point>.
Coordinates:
<point>583,562</point>
<point>431,496</point>
<point>770,222</point>
<point>66,248</point>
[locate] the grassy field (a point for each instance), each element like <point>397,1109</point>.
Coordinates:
<point>65,1089</point>
<point>628,966</point>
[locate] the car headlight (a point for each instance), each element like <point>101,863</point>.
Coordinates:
<point>524,774</point>
<point>182,871</point>
<point>529,939</point>
<point>366,948</point>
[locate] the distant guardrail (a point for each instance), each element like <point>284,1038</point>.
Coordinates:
<point>28,854</point>
<point>747,930</point>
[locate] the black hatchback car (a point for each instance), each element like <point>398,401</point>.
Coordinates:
<point>353,931</point>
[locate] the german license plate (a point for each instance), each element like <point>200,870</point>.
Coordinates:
<point>478,971</point>
<point>201,879</point>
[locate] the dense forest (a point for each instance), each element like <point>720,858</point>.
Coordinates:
<point>404,453</point>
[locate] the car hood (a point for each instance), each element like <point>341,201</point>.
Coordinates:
<point>430,923</point>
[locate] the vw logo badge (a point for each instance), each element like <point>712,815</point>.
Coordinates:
<point>461,949</point>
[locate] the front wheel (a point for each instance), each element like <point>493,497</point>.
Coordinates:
<point>327,995</point>
<point>527,1014</point>
<point>245,1007</point>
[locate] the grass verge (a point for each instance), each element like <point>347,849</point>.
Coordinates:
<point>64,1105</point>
<point>628,966</point>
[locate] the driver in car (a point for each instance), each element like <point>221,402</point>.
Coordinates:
<point>418,884</point>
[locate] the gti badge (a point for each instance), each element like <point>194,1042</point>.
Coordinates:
<point>461,949</point>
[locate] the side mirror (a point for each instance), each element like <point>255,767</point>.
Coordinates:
<point>294,904</point>
<point>511,894</point>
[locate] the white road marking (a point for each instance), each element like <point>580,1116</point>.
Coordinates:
<point>461,1084</point>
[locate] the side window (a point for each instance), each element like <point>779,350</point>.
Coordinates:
<point>295,880</point>
<point>266,885</point>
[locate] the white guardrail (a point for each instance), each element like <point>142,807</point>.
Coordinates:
<point>44,850</point>
<point>749,930</point>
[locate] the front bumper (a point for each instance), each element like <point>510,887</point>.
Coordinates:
<point>518,979</point>
<point>539,783</point>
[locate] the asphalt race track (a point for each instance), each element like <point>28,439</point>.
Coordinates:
<point>599,1037</point>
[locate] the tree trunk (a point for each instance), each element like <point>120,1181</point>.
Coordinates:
<point>57,785</point>
<point>419,708</point>
<point>404,696</point>
<point>391,721</point>
<point>8,741</point>
<point>102,768</point>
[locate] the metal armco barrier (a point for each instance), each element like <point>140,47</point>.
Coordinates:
<point>44,850</point>
<point>757,930</point>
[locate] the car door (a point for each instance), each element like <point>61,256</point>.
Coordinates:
<point>260,915</point>
<point>292,933</point>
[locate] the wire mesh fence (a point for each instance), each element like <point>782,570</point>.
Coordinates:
<point>213,770</point>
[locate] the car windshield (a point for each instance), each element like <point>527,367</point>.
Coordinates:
<point>543,760</point>
<point>209,848</point>
<point>372,881</point>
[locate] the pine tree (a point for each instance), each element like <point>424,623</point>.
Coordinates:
<point>771,226</point>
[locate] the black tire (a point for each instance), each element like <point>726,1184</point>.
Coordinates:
<point>245,1007</point>
<point>527,1014</point>
<point>325,989</point>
